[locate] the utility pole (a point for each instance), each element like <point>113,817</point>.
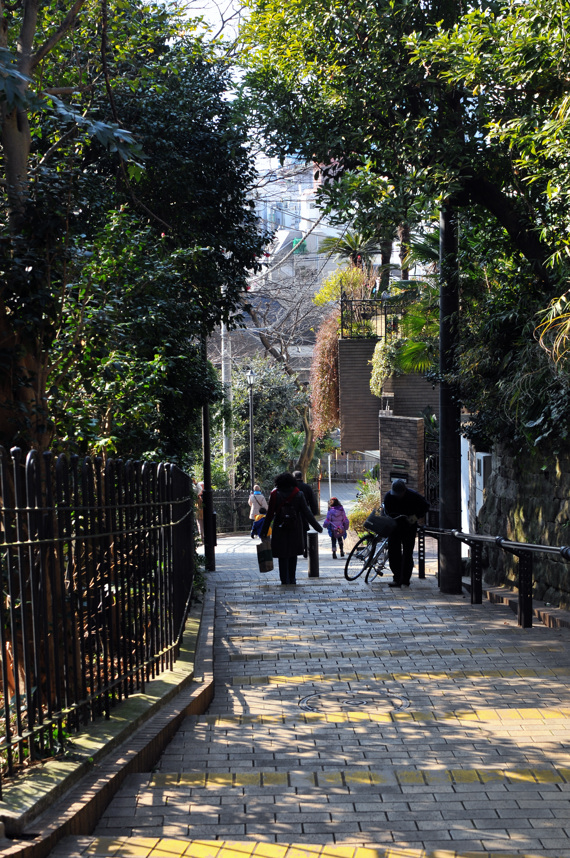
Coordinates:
<point>228,439</point>
<point>250,376</point>
<point>449,411</point>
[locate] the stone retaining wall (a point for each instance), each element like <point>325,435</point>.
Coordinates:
<point>528,500</point>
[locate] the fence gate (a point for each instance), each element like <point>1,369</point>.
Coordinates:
<point>431,480</point>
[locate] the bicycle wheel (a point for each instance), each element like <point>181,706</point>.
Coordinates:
<point>379,562</point>
<point>359,558</point>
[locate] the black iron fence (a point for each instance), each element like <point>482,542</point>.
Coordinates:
<point>232,510</point>
<point>374,318</point>
<point>97,572</point>
<point>362,319</point>
<point>523,551</point>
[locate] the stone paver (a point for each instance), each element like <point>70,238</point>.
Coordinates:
<point>356,721</point>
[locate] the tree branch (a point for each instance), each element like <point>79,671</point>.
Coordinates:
<point>71,132</point>
<point>56,37</point>
<point>68,90</point>
<point>481,190</point>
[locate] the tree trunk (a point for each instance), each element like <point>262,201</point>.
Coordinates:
<point>385,256</point>
<point>23,401</point>
<point>308,451</point>
<point>404,239</point>
<point>25,360</point>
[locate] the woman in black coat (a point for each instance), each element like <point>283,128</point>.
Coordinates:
<point>288,511</point>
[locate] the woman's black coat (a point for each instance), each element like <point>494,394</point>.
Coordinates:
<point>290,542</point>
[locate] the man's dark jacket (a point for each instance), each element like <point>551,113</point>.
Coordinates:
<point>309,496</point>
<point>410,503</point>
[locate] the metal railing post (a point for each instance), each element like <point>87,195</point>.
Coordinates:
<point>421,552</point>
<point>525,590</point>
<point>476,573</point>
<point>524,609</point>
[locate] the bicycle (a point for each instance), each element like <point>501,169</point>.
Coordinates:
<point>370,554</point>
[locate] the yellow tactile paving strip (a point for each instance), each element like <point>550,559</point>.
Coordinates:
<point>341,676</point>
<point>153,847</point>
<point>345,777</point>
<point>510,714</point>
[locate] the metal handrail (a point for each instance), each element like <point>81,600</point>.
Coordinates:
<point>524,551</point>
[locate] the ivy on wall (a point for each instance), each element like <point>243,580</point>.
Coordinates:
<point>324,377</point>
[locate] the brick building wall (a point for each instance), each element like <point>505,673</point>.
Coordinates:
<point>412,393</point>
<point>358,406</point>
<point>401,450</point>
<point>406,395</point>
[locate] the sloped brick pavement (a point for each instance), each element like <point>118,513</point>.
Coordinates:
<point>350,718</point>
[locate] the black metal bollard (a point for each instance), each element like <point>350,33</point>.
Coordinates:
<point>313,554</point>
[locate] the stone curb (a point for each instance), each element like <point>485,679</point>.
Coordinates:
<point>78,810</point>
<point>38,787</point>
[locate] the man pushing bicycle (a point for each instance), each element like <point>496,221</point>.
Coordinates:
<point>410,506</point>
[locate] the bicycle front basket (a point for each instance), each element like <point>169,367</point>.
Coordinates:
<point>383,525</point>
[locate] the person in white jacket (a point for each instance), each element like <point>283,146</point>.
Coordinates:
<point>256,501</point>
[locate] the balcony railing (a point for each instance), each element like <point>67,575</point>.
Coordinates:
<point>372,318</point>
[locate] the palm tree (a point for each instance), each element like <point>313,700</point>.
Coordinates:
<point>554,329</point>
<point>357,247</point>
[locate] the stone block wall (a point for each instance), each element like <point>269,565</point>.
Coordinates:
<point>401,450</point>
<point>528,500</point>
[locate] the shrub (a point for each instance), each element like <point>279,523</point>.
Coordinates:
<point>369,500</point>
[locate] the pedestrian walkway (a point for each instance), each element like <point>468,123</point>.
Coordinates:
<point>355,721</point>
<point>345,492</point>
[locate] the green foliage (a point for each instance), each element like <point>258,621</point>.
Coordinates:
<point>277,408</point>
<point>383,365</point>
<point>407,105</point>
<point>138,380</point>
<point>351,282</point>
<point>369,499</point>
<point>356,247</point>
<point>554,329</point>
<point>114,272</point>
<point>413,346</point>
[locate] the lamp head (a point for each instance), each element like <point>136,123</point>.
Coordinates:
<point>250,376</point>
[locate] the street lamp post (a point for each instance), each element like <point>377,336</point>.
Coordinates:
<point>250,376</point>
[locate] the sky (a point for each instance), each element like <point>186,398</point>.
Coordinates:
<point>217,12</point>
